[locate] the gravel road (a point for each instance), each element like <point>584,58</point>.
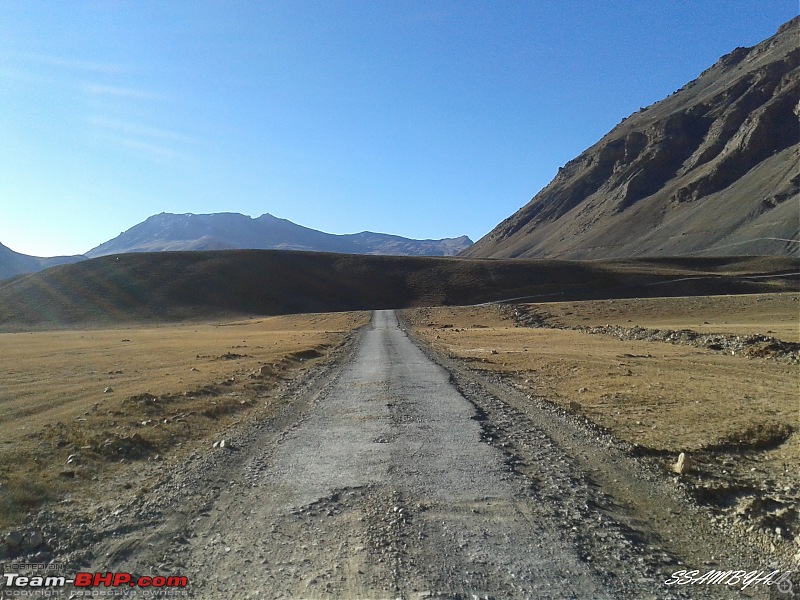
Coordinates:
<point>386,477</point>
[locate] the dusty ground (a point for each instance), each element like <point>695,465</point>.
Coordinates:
<point>378,474</point>
<point>657,395</point>
<point>382,474</point>
<point>772,314</point>
<point>736,416</point>
<point>75,404</point>
<point>382,489</point>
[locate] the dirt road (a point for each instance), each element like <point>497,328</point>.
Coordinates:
<point>383,480</point>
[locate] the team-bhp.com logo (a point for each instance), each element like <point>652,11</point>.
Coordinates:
<point>93,580</point>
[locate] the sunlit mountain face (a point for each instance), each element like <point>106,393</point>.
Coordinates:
<point>709,171</point>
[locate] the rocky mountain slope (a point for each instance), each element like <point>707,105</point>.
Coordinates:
<point>710,170</point>
<point>221,231</point>
<point>13,263</point>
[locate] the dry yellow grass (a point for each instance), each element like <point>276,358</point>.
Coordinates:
<point>737,417</point>
<point>168,385</point>
<point>658,395</point>
<point>777,315</point>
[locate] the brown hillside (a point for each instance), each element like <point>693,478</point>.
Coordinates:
<point>710,170</point>
<point>171,286</point>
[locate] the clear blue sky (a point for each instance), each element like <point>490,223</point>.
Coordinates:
<point>425,119</point>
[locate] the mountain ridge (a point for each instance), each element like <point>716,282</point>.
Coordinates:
<point>168,232</point>
<point>708,170</point>
<point>185,286</point>
<point>220,231</point>
<point>15,263</point>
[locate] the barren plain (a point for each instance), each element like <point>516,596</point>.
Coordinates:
<point>664,396</point>
<point>727,397</point>
<point>78,404</point>
<point>520,450</point>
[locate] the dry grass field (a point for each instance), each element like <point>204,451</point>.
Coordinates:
<point>74,404</point>
<point>776,315</point>
<point>737,416</point>
<point>654,394</point>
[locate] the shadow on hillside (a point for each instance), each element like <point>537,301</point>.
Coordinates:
<point>175,286</point>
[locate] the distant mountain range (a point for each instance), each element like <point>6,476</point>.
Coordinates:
<point>13,263</point>
<point>223,231</point>
<point>712,170</point>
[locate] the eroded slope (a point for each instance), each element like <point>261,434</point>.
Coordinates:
<point>710,170</point>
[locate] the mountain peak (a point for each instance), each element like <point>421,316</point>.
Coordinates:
<point>170,232</point>
<point>708,170</point>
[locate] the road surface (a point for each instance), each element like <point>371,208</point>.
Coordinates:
<point>388,482</point>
